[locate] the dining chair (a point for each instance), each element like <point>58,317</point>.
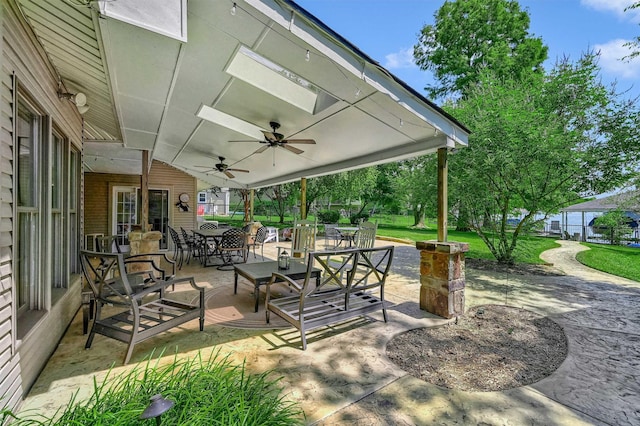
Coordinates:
<point>258,240</point>
<point>232,244</point>
<point>366,235</point>
<point>108,244</point>
<point>303,238</point>
<point>189,242</point>
<point>178,247</point>
<point>331,236</point>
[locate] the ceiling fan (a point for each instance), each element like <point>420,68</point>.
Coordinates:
<point>224,168</point>
<point>274,139</point>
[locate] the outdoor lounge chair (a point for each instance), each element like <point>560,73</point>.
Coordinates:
<point>131,306</point>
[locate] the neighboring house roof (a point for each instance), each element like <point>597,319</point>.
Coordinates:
<point>182,80</point>
<point>625,201</point>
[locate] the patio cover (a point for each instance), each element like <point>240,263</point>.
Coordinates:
<point>180,80</point>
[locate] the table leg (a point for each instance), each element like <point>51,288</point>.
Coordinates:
<point>235,282</point>
<point>257,296</point>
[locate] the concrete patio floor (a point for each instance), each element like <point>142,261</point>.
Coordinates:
<point>345,377</point>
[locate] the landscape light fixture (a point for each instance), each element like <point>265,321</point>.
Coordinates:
<point>156,408</point>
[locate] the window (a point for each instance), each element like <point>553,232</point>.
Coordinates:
<point>202,197</point>
<point>46,235</point>
<point>28,145</point>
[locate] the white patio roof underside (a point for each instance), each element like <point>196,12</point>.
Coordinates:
<point>182,80</point>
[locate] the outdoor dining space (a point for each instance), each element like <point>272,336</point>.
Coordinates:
<point>344,367</point>
<point>129,279</point>
<point>233,326</point>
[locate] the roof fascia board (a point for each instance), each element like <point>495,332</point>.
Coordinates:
<point>362,67</point>
<point>380,157</point>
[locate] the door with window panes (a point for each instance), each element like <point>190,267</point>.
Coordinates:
<point>126,211</point>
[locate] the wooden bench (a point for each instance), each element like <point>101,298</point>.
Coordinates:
<point>138,308</point>
<point>351,284</point>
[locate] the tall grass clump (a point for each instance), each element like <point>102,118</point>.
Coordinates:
<point>205,391</point>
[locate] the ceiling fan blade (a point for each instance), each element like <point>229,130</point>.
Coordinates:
<point>262,149</point>
<point>270,136</point>
<point>292,148</point>
<point>204,167</point>
<point>300,141</point>
<point>237,170</point>
<point>254,140</point>
<point>229,174</point>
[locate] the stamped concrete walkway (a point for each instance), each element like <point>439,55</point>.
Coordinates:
<point>345,377</point>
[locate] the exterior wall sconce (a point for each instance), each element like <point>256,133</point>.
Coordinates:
<point>79,99</point>
<point>182,202</point>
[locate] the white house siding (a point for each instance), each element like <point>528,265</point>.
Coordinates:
<point>22,56</point>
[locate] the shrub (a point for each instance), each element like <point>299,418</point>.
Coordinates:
<point>358,217</point>
<point>205,392</point>
<point>328,216</point>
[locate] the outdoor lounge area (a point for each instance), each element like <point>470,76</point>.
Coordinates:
<point>119,121</point>
<point>345,376</point>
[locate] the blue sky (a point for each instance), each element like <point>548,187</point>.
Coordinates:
<point>386,30</point>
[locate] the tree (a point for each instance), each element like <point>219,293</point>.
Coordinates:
<point>536,144</point>
<point>355,185</point>
<point>469,36</point>
<point>282,196</point>
<point>613,226</point>
<point>417,181</point>
<point>635,43</point>
<point>319,188</point>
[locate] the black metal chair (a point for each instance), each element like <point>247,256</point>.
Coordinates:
<point>138,307</point>
<point>233,244</point>
<point>189,243</point>
<point>258,241</point>
<point>178,247</point>
<point>108,244</point>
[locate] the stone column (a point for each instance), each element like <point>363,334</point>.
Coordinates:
<point>144,242</point>
<point>442,277</point>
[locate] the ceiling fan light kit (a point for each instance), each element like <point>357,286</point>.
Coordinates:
<point>273,139</point>
<point>223,168</point>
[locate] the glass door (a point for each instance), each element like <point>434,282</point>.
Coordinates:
<point>159,214</point>
<point>125,211</point>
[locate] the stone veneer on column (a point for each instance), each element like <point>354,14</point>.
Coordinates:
<point>442,277</point>
<point>144,242</point>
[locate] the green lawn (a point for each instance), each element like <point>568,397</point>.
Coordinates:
<point>617,260</point>
<point>527,251</point>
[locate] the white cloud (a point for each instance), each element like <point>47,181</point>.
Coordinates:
<point>401,59</point>
<point>611,62</point>
<point>616,6</point>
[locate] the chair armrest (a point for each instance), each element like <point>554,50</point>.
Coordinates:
<point>277,276</point>
<point>161,285</point>
<point>144,258</point>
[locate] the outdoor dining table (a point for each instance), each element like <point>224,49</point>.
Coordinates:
<point>259,273</point>
<point>215,235</point>
<point>348,232</point>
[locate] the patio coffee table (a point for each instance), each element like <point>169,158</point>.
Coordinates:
<point>259,273</point>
